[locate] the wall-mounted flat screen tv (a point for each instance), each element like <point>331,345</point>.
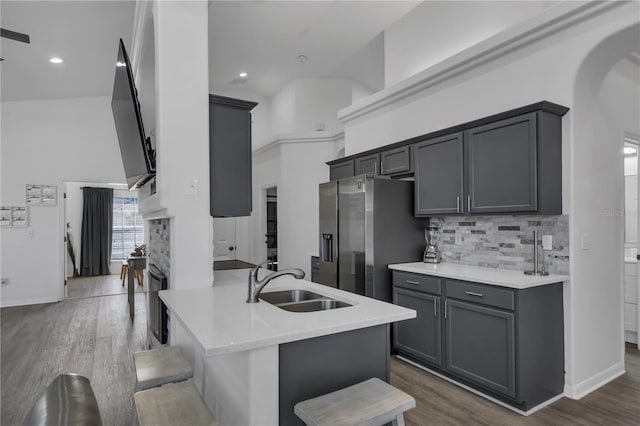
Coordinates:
<point>137,155</point>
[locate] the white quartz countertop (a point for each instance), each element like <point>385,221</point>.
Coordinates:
<point>220,320</point>
<point>493,276</point>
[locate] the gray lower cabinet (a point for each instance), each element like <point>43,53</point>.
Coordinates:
<point>507,343</point>
<point>230,156</point>
<point>369,164</point>
<point>420,337</point>
<point>439,176</point>
<point>481,345</point>
<point>315,268</point>
<point>341,170</point>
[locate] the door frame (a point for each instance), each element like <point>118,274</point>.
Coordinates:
<point>264,252</point>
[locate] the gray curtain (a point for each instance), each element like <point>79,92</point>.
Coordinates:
<point>97,226</point>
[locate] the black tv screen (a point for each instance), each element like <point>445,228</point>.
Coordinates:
<point>137,155</point>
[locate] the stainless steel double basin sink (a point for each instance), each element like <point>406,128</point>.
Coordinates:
<point>301,301</point>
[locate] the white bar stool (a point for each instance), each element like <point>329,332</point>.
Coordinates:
<point>369,403</point>
<point>157,367</point>
<point>172,404</point>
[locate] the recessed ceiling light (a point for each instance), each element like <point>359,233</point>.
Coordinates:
<point>120,64</point>
<point>56,60</point>
<point>302,59</point>
<point>243,75</point>
<point>629,150</point>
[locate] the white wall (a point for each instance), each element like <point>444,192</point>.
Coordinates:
<point>547,69</point>
<point>182,139</point>
<point>437,30</point>
<point>318,102</point>
<point>282,113</point>
<point>266,173</point>
<point>49,142</point>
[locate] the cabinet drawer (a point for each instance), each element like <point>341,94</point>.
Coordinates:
<point>417,282</point>
<point>478,293</point>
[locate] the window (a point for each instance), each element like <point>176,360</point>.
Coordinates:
<point>128,228</point>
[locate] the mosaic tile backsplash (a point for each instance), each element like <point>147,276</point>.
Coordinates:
<point>159,250</point>
<point>503,241</point>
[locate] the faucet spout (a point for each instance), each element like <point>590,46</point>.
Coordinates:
<point>256,285</point>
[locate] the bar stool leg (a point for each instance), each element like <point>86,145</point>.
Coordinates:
<point>123,273</point>
<point>399,420</point>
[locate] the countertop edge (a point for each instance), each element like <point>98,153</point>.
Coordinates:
<point>531,281</point>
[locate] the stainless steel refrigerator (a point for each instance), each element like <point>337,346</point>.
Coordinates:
<point>367,223</point>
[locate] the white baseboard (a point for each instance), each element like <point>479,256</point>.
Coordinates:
<point>594,382</point>
<point>631,337</point>
<point>477,392</point>
<point>23,302</point>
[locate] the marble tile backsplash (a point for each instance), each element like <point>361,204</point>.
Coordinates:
<point>503,241</point>
<point>159,249</point>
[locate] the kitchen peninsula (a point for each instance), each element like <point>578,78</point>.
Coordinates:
<point>253,362</point>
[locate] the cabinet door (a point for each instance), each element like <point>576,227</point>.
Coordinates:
<point>341,170</point>
<point>368,164</point>
<point>419,337</point>
<point>481,345</point>
<point>439,176</point>
<point>502,166</point>
<point>396,160</point>
<point>229,156</point>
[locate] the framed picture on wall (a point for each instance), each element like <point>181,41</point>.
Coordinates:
<point>42,195</point>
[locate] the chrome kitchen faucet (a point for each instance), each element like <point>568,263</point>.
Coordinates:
<point>256,285</point>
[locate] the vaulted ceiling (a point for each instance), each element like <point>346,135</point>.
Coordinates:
<point>261,38</point>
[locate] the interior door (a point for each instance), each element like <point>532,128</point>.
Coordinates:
<point>224,238</point>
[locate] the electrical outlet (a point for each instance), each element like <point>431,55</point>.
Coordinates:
<point>4,281</point>
<point>30,233</point>
<point>547,242</point>
<point>585,243</point>
<point>192,186</point>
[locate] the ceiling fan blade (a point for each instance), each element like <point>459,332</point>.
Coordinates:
<point>24,38</point>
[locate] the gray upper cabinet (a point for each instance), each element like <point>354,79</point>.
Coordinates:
<point>439,176</point>
<point>491,333</point>
<point>502,166</point>
<point>230,156</point>
<point>369,164</point>
<point>341,170</point>
<point>396,161</point>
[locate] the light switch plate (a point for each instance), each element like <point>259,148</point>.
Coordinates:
<point>192,186</point>
<point>585,244</point>
<point>547,242</point>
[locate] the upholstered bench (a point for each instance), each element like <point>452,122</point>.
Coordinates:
<point>157,367</point>
<point>369,403</point>
<point>172,404</point>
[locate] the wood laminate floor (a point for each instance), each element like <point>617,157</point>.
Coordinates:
<point>103,285</point>
<point>92,336</point>
<point>439,402</point>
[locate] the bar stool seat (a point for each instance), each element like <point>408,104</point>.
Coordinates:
<point>157,367</point>
<point>369,403</point>
<point>172,404</point>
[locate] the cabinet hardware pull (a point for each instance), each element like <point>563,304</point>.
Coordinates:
<point>413,282</point>
<point>458,204</point>
<point>471,293</point>
<point>468,203</point>
<point>375,168</point>
<point>381,167</point>
<point>445,309</point>
<point>435,308</point>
